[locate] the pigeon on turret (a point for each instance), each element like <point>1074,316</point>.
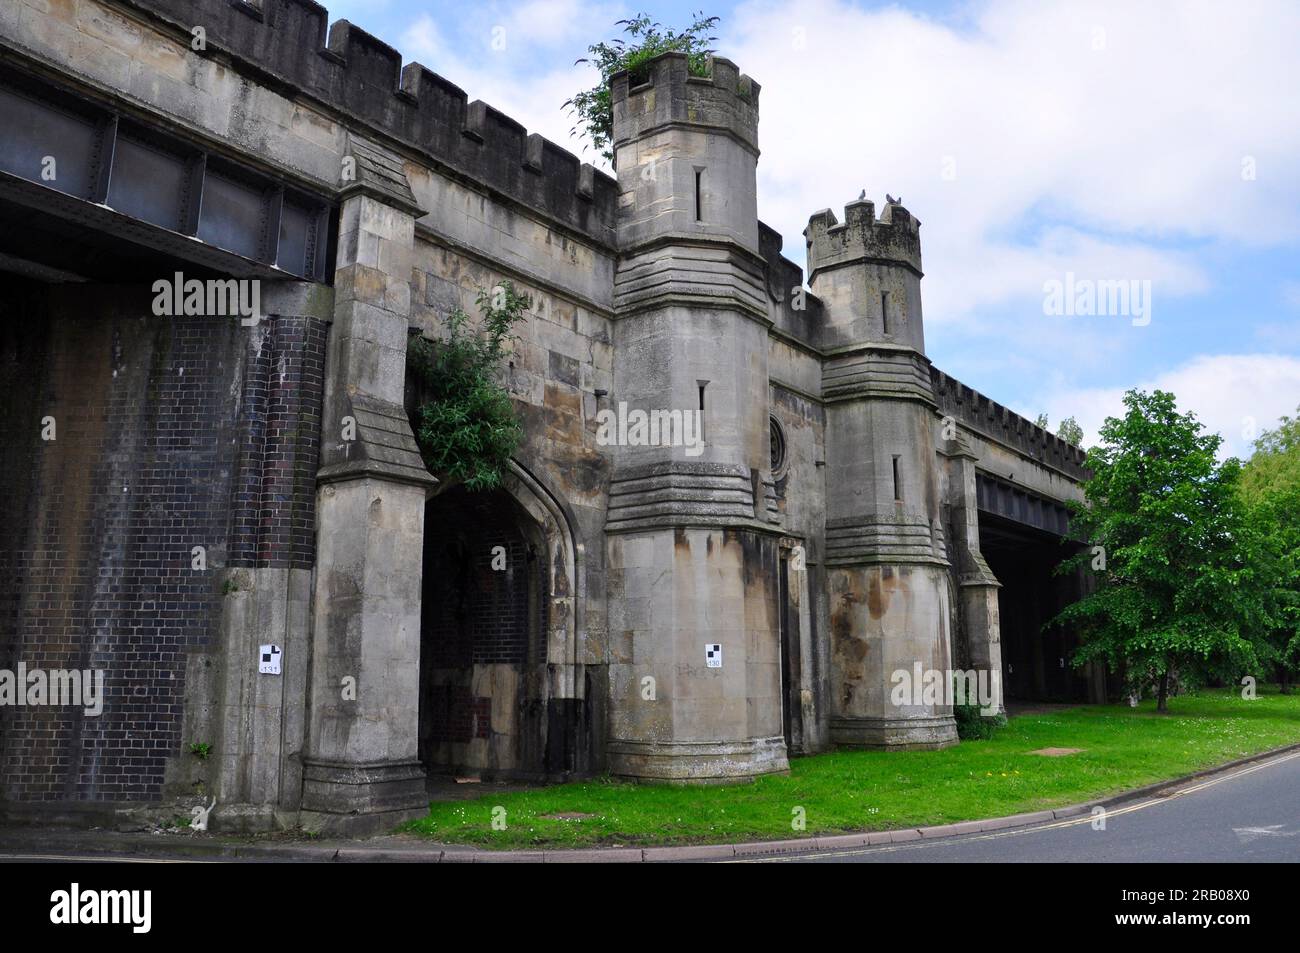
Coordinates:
<point>893,201</point>
<point>863,195</point>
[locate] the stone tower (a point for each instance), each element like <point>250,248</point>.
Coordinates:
<point>888,572</point>
<point>692,547</point>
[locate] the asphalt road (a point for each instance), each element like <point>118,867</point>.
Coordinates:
<point>1249,815</point>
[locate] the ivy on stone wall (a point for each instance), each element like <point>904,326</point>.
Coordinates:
<point>466,424</point>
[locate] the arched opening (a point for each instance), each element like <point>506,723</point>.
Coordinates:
<point>485,603</point>
<point>1036,658</point>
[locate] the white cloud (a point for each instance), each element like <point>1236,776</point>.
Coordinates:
<point>1117,163</point>
<point>505,75</point>
<point>1138,144</point>
<point>1234,395</point>
<point>999,273</point>
<point>556,22</point>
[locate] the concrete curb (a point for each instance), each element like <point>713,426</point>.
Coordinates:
<point>359,852</point>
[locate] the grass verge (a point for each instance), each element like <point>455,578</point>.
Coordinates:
<point>842,791</point>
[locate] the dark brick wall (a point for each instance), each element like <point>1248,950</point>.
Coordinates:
<point>274,505</point>
<point>476,615</point>
<point>456,715</point>
<point>172,433</point>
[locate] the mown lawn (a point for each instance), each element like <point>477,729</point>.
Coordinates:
<point>870,790</point>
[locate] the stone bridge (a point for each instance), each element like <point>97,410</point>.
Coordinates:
<point>221,222</point>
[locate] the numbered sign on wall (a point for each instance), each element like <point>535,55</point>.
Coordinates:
<point>268,660</point>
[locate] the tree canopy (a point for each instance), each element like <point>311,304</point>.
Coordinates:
<point>1275,464</point>
<point>1163,521</point>
<point>1070,431</point>
<point>1270,490</point>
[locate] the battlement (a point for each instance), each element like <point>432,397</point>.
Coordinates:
<point>290,46</point>
<point>783,279</point>
<point>988,417</point>
<point>893,237</point>
<point>662,92</point>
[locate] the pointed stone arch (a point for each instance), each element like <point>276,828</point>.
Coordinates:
<point>501,693</point>
<point>566,592</point>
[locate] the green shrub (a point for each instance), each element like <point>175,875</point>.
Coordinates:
<point>592,107</point>
<point>972,726</point>
<point>466,425</point>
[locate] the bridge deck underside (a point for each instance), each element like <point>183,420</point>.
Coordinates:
<point>1036,658</point>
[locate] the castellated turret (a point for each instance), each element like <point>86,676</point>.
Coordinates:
<point>686,151</point>
<point>690,279</point>
<point>692,534</point>
<point>867,271</point>
<point>884,532</point>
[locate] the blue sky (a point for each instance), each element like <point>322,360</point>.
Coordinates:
<point>1124,142</point>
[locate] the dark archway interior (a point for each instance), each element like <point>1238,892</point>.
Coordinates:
<point>483,650</point>
<point>1035,662</point>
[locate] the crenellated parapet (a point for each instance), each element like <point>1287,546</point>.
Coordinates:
<point>993,420</point>
<point>867,272</point>
<point>290,45</point>
<point>894,237</point>
<point>664,93</point>
<point>795,311</point>
<point>686,151</point>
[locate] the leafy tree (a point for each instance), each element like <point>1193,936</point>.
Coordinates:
<point>1275,463</point>
<point>1270,489</point>
<point>467,428</point>
<point>1070,431</point>
<point>1175,590</point>
<point>1041,421</point>
<point>1273,537</point>
<point>647,39</point>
